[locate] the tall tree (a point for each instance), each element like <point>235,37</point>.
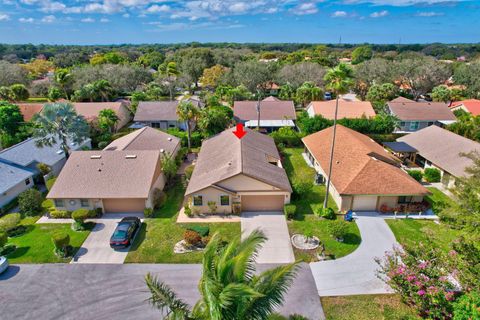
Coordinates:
<point>63,78</point>
<point>188,113</point>
<point>307,93</point>
<point>194,61</point>
<point>338,80</point>
<point>11,118</point>
<point>230,289</point>
<point>107,120</point>
<point>60,122</point>
<point>214,120</point>
<point>19,92</point>
<point>168,75</point>
<point>361,54</point>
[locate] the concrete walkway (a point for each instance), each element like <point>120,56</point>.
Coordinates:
<point>96,248</point>
<point>356,273</point>
<point>278,248</point>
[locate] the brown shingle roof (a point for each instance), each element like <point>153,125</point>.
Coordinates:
<point>224,156</point>
<point>269,110</point>
<point>28,110</point>
<point>360,165</point>
<point>113,175</point>
<point>407,110</point>
<point>91,109</point>
<point>146,139</point>
<point>442,148</point>
<point>346,109</point>
<point>156,111</point>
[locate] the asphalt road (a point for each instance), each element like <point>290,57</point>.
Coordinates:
<point>111,291</point>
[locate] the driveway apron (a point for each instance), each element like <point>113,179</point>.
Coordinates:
<point>277,249</point>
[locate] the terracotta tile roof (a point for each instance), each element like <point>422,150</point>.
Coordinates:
<point>146,139</point>
<point>346,109</point>
<point>360,165</point>
<point>113,175</point>
<point>472,106</point>
<point>224,156</point>
<point>269,110</point>
<point>28,110</point>
<point>442,148</point>
<point>408,110</point>
<point>90,110</point>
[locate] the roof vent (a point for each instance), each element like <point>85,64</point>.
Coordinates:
<point>59,152</point>
<point>169,138</point>
<point>96,156</point>
<point>338,162</point>
<point>162,150</point>
<point>374,158</point>
<point>131,156</point>
<point>229,163</point>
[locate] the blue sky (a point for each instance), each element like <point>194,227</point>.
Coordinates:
<point>147,21</point>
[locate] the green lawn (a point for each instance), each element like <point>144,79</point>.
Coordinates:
<point>36,246</point>
<point>158,235</point>
<point>367,307</point>
<point>305,220</point>
<point>438,199</point>
<point>413,231</point>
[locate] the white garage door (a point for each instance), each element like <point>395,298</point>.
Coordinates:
<point>364,203</point>
<point>262,203</point>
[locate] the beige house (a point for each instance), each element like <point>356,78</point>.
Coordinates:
<point>365,176</point>
<point>90,111</point>
<point>238,174</point>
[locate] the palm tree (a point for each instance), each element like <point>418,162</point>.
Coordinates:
<point>63,77</point>
<point>107,119</point>
<point>59,122</point>
<point>338,80</point>
<point>187,112</point>
<point>103,89</point>
<point>229,287</point>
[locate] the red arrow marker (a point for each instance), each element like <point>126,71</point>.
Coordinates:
<point>240,133</point>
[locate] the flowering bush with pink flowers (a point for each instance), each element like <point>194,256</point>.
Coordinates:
<point>421,279</point>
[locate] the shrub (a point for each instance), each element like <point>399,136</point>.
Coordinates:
<point>212,205</point>
<point>50,182</point>
<point>61,240</point>
<point>80,215</point>
<point>159,198</point>
<point>10,221</point>
<point>187,210</point>
<point>416,174</point>
<point>103,144</point>
<point>59,214</point>
<point>44,168</point>
<point>287,136</point>
<point>467,307</point>
<point>3,239</point>
<point>148,212</point>
<point>432,175</point>
<point>30,202</point>
<point>326,213</point>
<point>338,229</point>
<point>9,206</point>
<point>189,171</point>
<point>289,210</point>
<point>195,139</point>
<point>302,187</point>
<point>201,230</point>
<point>95,213</point>
<point>192,237</point>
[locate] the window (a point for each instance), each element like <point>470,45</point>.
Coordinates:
<point>402,124</point>
<point>27,181</point>
<point>430,123</point>
<point>85,203</point>
<point>59,203</point>
<point>405,199</point>
<point>414,125</point>
<point>155,125</point>
<point>198,200</point>
<point>224,200</point>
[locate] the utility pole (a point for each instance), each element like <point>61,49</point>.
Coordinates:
<point>325,202</point>
<point>258,111</point>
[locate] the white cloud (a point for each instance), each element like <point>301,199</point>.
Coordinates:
<point>49,19</point>
<point>4,17</point>
<point>239,7</point>
<point>339,14</point>
<point>88,20</point>
<point>104,20</point>
<point>26,20</point>
<point>126,15</point>
<point>156,8</point>
<point>430,14</point>
<point>48,6</point>
<point>305,8</point>
<point>400,3</point>
<point>379,14</point>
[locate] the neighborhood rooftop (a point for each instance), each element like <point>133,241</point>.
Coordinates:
<point>91,109</point>
<point>224,156</point>
<point>159,110</point>
<point>346,109</point>
<point>407,110</point>
<point>28,110</point>
<point>442,148</point>
<point>146,139</point>
<point>360,165</point>
<point>106,174</point>
<point>471,105</point>
<point>270,109</point>
<point>10,175</point>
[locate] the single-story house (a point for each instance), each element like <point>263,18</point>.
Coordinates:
<point>440,148</point>
<point>160,114</point>
<point>13,181</point>
<point>90,111</point>
<point>238,174</point>
<point>350,109</point>
<point>28,155</point>
<point>415,115</point>
<point>28,110</point>
<point>274,113</point>
<point>115,181</point>
<point>365,177</point>
<point>471,106</point>
<point>147,139</point>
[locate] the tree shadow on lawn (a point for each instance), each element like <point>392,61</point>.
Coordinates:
<point>352,238</point>
<point>19,252</point>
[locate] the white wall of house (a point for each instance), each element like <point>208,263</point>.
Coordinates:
<point>210,194</point>
<point>310,111</point>
<point>158,184</point>
<point>74,204</point>
<point>13,192</point>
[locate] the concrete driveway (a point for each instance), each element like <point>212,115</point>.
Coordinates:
<point>356,273</point>
<point>94,291</point>
<point>278,248</point>
<point>96,248</point>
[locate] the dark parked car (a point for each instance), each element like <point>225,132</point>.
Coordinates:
<point>124,232</point>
